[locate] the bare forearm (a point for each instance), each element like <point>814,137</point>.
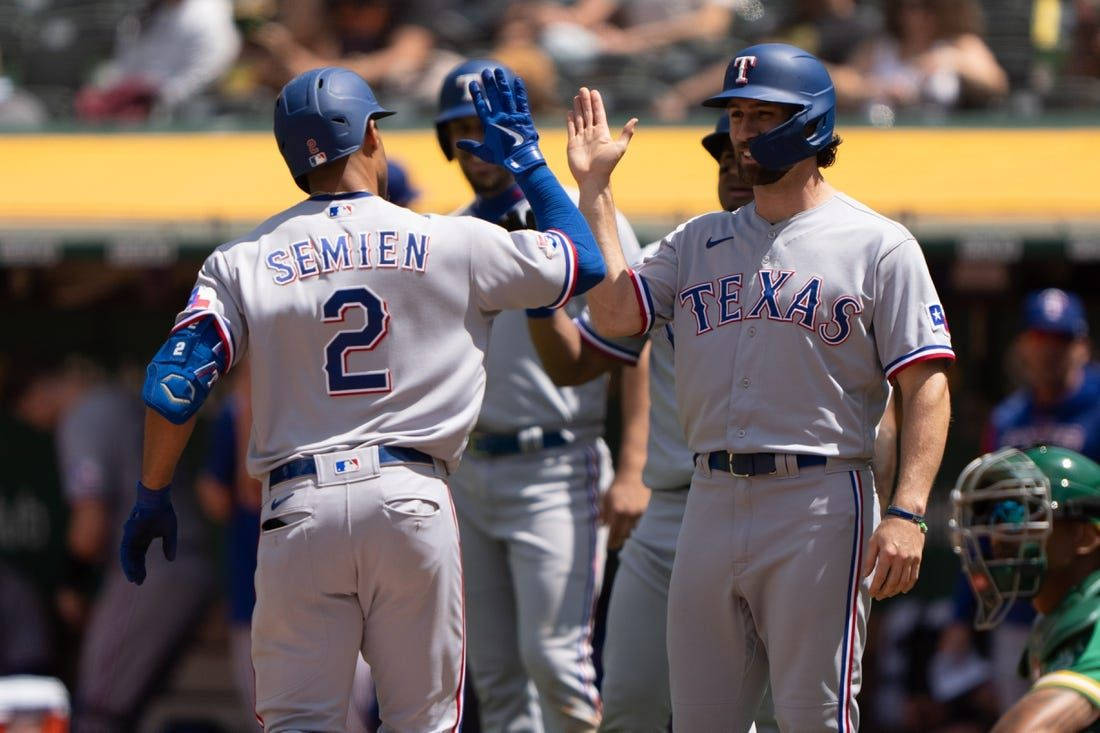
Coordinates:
<point>634,406</point>
<point>1049,710</point>
<point>562,352</point>
<point>164,443</point>
<point>925,414</point>
<point>613,304</point>
<point>884,464</point>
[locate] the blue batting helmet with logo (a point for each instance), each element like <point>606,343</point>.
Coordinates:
<point>1055,311</point>
<point>784,74</point>
<point>454,96</point>
<point>321,116</point>
<point>716,142</point>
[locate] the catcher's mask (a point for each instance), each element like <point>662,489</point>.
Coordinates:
<point>1001,520</point>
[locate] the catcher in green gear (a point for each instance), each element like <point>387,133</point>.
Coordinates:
<point>1027,525</point>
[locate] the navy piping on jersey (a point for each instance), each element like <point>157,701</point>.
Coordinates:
<point>340,196</point>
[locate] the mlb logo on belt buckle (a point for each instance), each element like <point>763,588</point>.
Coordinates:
<point>351,465</point>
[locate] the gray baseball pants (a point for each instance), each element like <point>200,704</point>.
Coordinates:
<point>368,561</point>
<point>767,586</point>
<point>534,556</point>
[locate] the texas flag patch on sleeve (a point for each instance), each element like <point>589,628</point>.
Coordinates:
<point>201,298</point>
<point>938,318</point>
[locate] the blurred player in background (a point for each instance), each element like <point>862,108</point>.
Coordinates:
<point>528,490</point>
<point>1058,404</point>
<point>1027,526</point>
<point>99,455</point>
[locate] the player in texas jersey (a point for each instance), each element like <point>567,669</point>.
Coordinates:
<point>1027,526</point>
<point>789,317</point>
<point>528,491</point>
<point>366,326</point>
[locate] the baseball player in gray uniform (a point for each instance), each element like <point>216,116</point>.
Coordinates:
<point>529,487</point>
<point>789,316</point>
<point>367,326</point>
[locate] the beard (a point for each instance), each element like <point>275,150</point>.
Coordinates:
<point>753,174</point>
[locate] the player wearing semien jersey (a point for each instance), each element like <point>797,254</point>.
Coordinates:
<point>789,316</point>
<point>528,491</point>
<point>1027,525</point>
<point>366,325</point>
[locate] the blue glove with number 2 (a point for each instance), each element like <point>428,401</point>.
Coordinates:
<point>151,517</point>
<point>511,139</point>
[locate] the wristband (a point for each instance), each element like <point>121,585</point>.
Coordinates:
<point>917,519</point>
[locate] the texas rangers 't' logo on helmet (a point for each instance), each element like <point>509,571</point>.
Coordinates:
<point>743,64</point>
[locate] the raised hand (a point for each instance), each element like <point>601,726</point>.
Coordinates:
<point>591,151</point>
<point>511,139</point>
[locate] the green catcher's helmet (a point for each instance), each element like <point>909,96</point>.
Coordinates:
<point>1004,504</point>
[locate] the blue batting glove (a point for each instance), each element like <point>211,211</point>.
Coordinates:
<point>151,517</point>
<point>511,139</point>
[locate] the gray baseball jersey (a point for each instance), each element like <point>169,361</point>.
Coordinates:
<point>532,548</point>
<point>785,334</point>
<point>785,337</point>
<point>518,392</point>
<point>368,323</point>
<point>668,463</point>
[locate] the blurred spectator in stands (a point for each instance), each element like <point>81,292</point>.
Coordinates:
<point>179,50</point>
<point>390,43</point>
<point>1084,58</point>
<point>230,496</point>
<point>32,522</point>
<point>18,108</point>
<point>639,45</point>
<point>399,189</point>
<point>1058,404</point>
<point>932,57</point>
<point>99,426</point>
<point>829,29</point>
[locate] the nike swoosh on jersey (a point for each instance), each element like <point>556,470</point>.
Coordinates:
<point>712,242</point>
<point>275,503</point>
<point>510,133</point>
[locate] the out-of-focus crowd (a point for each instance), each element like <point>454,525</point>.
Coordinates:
<point>221,61</point>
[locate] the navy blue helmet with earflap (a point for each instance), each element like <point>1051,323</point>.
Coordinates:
<point>784,74</point>
<point>321,115</point>
<point>454,96</point>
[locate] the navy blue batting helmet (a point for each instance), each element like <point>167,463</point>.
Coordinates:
<point>454,96</point>
<point>321,116</point>
<point>777,72</point>
<point>716,142</point>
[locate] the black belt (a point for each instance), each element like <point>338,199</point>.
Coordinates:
<point>508,444</point>
<point>754,464</point>
<point>308,466</point>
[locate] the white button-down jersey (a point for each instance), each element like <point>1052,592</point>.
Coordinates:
<point>367,323</point>
<point>785,334</point>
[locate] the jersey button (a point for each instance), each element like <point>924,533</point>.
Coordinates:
<point>745,382</point>
<point>741,433</point>
<point>752,330</point>
<point>771,235</point>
